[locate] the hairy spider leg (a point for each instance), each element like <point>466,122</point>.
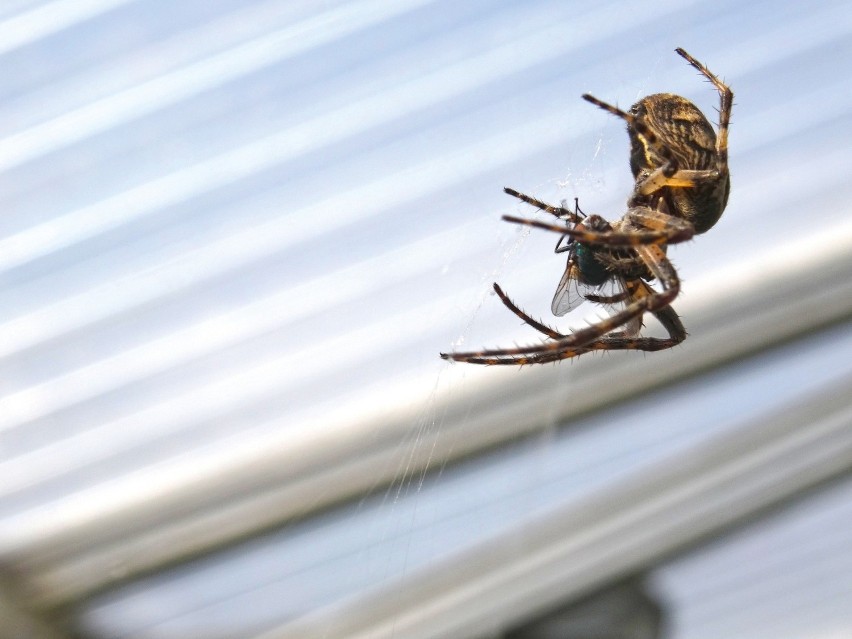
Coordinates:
<point>726,104</point>
<point>633,289</point>
<point>575,217</point>
<point>666,175</point>
<point>666,315</point>
<point>592,337</point>
<point>660,228</point>
<point>541,327</point>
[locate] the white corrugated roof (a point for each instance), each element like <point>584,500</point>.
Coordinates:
<point>235,236</point>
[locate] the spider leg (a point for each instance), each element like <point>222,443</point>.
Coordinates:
<point>537,325</point>
<point>615,342</point>
<point>594,337</point>
<point>624,115</point>
<point>682,178</point>
<point>670,167</point>
<point>607,299</point>
<point>667,174</point>
<point>726,103</point>
<point>674,327</point>
<point>664,271</point>
<point>535,223</point>
<point>618,264</point>
<point>641,225</point>
<point>639,218</point>
<point>559,211</point>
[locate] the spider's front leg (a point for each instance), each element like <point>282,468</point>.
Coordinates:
<point>641,225</point>
<point>561,212</point>
<point>670,173</point>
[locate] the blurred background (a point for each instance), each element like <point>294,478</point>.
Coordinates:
<point>235,236</point>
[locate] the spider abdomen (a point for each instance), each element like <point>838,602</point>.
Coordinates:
<point>674,126</point>
<point>702,204</point>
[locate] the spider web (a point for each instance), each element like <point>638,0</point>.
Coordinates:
<point>405,509</point>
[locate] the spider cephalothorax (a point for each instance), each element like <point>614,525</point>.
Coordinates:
<point>681,186</point>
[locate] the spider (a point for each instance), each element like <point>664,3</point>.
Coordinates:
<point>680,167</point>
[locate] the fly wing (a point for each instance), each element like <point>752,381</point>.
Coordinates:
<point>636,289</point>
<point>632,327</point>
<point>614,295</point>
<point>568,294</point>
